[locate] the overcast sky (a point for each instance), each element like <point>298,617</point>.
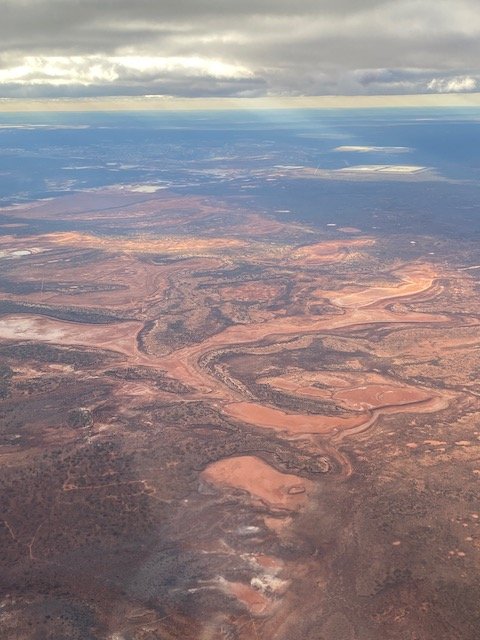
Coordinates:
<point>246,48</point>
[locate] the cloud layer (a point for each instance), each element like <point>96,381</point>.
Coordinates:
<point>224,48</point>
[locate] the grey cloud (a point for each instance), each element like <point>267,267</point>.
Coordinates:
<point>182,88</point>
<point>275,47</point>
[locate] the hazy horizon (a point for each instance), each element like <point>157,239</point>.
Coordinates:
<point>145,103</point>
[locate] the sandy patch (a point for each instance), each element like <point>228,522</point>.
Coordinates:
<point>330,250</point>
<point>374,396</point>
<point>402,169</point>
<point>415,280</point>
<point>116,336</point>
<point>349,230</point>
<point>291,423</point>
<point>277,490</point>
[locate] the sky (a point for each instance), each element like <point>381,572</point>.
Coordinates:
<point>242,49</point>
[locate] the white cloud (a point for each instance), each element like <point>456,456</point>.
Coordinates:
<point>88,70</point>
<point>459,84</point>
<point>196,65</point>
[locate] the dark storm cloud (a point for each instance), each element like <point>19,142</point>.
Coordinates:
<point>254,47</point>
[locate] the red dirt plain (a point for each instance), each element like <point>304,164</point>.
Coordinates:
<point>227,422</point>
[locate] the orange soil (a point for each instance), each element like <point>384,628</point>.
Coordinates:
<point>305,424</point>
<point>358,390</point>
<point>330,250</point>
<point>254,600</point>
<point>292,423</point>
<point>146,244</point>
<point>373,396</point>
<point>432,405</point>
<point>183,363</point>
<point>417,279</point>
<point>277,490</point>
<point>145,283</point>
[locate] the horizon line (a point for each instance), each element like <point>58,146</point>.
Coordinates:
<point>171,103</point>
